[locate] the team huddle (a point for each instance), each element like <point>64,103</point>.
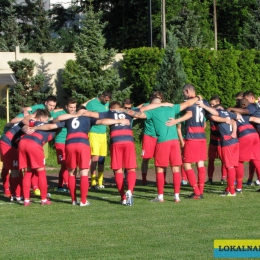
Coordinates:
<point>174,135</point>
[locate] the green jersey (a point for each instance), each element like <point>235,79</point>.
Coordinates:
<point>34,108</point>
<point>61,136</point>
<point>148,126</point>
<point>159,117</point>
<point>96,106</point>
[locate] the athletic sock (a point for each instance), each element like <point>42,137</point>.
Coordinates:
<point>93,180</point>
<point>35,180</point>
<point>27,185</point>
<point>211,168</point>
<point>83,189</point>
<point>100,178</point>
<point>201,178</point>
<point>193,181</point>
<point>176,176</point>
<point>231,179</point>
<point>72,187</point>
<point>223,172</point>
<point>256,164</point>
<point>43,184</point>
<point>239,175</point>
<point>119,179</point>
<point>16,186</point>
<point>131,179</point>
<point>160,182</point>
<point>144,178</point>
<point>183,174</point>
<point>6,180</point>
<point>252,169</point>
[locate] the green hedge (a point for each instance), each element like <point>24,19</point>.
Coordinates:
<point>224,72</point>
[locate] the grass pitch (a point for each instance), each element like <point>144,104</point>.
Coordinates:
<point>108,230</point>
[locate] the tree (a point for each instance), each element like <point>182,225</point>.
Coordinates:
<point>29,89</point>
<point>171,77</point>
<point>10,31</point>
<point>88,75</point>
<point>187,26</point>
<point>36,27</point>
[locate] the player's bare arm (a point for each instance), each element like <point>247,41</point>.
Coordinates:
<point>153,106</point>
<point>221,119</point>
<point>109,121</point>
<point>64,117</point>
<point>254,119</point>
<point>234,129</point>
<point>242,111</point>
<point>173,121</point>
<point>90,113</point>
<point>211,110</point>
<point>189,102</point>
<point>133,113</point>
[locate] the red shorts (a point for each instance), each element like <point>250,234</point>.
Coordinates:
<point>230,155</point>
<point>148,146</point>
<point>78,155</point>
<point>30,154</point>
<point>213,151</point>
<point>194,151</point>
<point>249,148</point>
<point>9,156</point>
<point>60,152</point>
<point>123,156</point>
<point>168,152</point>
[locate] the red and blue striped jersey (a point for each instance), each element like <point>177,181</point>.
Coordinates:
<point>39,136</point>
<point>78,129</point>
<point>244,127</point>
<point>195,125</point>
<point>12,136</point>
<point>214,134</point>
<point>226,129</point>
<point>119,133</point>
<point>254,111</point>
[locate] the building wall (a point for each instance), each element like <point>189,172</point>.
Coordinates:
<point>50,64</point>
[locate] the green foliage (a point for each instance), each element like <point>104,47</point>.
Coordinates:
<point>140,67</point>
<point>171,77</point>
<point>89,75</point>
<point>29,89</point>
<point>186,27</point>
<point>223,73</point>
<point>10,31</point>
<point>35,26</point>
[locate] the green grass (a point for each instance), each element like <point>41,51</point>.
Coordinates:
<point>107,230</point>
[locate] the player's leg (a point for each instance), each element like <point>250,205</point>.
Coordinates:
<point>43,185</point>
<point>116,164</point>
<point>84,185</point>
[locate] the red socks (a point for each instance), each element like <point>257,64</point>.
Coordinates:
<point>131,179</point>
<point>43,184</point>
<point>63,176</point>
<point>231,179</point>
<point>84,184</point>
<point>72,187</point>
<point>201,178</point>
<point>193,181</point>
<point>119,179</point>
<point>160,179</point>
<point>27,185</point>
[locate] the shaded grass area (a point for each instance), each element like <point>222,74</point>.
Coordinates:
<point>108,230</point>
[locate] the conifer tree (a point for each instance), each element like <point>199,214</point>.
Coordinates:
<point>88,75</point>
<point>29,89</point>
<point>171,77</point>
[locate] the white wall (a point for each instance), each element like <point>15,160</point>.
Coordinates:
<point>51,64</point>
